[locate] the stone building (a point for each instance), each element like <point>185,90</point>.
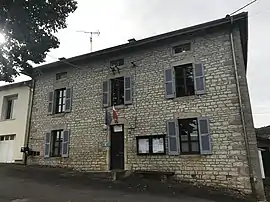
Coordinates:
<point>180,108</point>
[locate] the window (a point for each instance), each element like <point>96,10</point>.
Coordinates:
<point>8,111</point>
<point>117,91</point>
<point>57,138</point>
<point>189,136</point>
<point>60,104</point>
<point>61,75</point>
<point>12,137</point>
<point>182,48</point>
<point>184,81</point>
<point>117,63</point>
<point>60,101</point>
<point>56,143</point>
<point>7,137</point>
<point>154,144</point>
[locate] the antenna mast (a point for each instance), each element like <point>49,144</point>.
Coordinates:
<point>91,37</point>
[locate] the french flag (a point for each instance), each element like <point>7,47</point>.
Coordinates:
<point>107,118</point>
<point>115,115</point>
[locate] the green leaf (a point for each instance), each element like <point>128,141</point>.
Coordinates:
<point>29,27</point>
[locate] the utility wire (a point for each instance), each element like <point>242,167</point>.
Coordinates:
<point>243,7</point>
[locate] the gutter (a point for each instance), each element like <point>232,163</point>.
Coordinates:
<point>246,139</point>
<point>29,118</point>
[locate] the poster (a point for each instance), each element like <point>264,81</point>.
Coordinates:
<point>158,145</point>
<point>143,146</point>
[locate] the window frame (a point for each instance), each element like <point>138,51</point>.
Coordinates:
<point>150,140</point>
<point>5,107</point>
<point>60,76</point>
<point>119,62</point>
<point>175,45</point>
<point>189,141</point>
<point>9,109</point>
<point>62,105</point>
<point>111,91</point>
<point>183,68</point>
<point>56,137</point>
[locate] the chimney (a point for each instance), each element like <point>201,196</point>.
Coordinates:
<point>131,40</point>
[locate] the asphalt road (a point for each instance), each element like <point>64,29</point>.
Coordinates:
<point>20,184</point>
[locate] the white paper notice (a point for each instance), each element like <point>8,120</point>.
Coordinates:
<point>143,146</point>
<point>158,145</point>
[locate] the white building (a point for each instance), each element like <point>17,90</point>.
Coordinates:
<point>14,105</point>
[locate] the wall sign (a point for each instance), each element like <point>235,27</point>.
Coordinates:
<point>151,145</point>
<point>118,128</point>
<point>106,144</point>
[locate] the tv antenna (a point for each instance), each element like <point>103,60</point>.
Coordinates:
<point>91,37</point>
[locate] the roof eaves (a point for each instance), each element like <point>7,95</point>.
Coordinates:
<point>149,40</point>
<point>16,85</point>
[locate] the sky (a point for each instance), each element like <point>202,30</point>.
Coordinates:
<point>120,20</point>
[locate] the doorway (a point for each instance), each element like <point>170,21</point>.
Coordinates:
<point>266,161</point>
<point>117,158</point>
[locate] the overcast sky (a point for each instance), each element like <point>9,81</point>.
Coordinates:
<point>120,20</point>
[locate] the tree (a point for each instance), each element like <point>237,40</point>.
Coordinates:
<point>29,27</point>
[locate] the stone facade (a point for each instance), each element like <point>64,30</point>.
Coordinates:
<point>226,167</point>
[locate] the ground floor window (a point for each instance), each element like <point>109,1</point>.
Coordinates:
<point>56,147</point>
<point>7,137</point>
<point>189,136</point>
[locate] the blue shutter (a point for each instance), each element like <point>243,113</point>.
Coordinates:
<point>169,83</point>
<point>65,143</point>
<point>68,100</point>
<point>105,89</point>
<point>205,136</point>
<point>128,90</point>
<point>199,79</point>
<point>47,144</point>
<point>51,102</point>
<point>173,137</point>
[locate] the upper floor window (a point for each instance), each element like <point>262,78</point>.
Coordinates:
<point>184,80</point>
<point>182,48</point>
<point>61,75</point>
<point>118,62</point>
<point>59,101</point>
<point>117,91</point>
<point>8,108</point>
<point>60,104</point>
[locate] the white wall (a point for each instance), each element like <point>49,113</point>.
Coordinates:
<point>17,125</point>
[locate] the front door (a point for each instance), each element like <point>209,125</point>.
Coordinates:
<point>266,161</point>
<point>117,147</point>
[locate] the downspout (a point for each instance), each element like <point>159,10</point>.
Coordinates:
<point>29,118</point>
<point>246,139</point>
